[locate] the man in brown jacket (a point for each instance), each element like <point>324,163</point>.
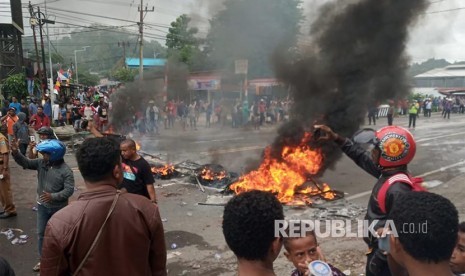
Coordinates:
<point>105,232</point>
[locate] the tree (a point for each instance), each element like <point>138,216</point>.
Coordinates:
<point>104,52</point>
<point>57,58</point>
<point>430,64</point>
<point>181,42</point>
<point>253,30</point>
<point>124,74</point>
<point>154,49</point>
<point>15,85</point>
<point>88,79</point>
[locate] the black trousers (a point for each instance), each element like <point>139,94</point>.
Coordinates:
<point>412,118</point>
<point>384,267</point>
<point>447,113</point>
<point>372,117</point>
<point>390,119</point>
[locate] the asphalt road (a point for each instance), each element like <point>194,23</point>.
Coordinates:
<point>440,146</point>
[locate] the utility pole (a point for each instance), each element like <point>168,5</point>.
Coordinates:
<point>141,37</point>
<point>34,22</point>
<point>42,48</point>
<point>52,95</point>
<point>124,44</point>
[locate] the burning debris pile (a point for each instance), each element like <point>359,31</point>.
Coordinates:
<point>290,175</point>
<point>215,176</point>
<point>166,171</point>
<point>210,175</point>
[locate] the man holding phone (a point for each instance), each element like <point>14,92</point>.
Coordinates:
<point>391,150</point>
<point>55,182</point>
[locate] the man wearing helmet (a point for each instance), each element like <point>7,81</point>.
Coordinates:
<point>393,148</point>
<point>44,133</point>
<point>55,181</point>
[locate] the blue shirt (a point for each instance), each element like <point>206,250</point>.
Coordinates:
<point>48,109</point>
<point>32,108</point>
<point>17,106</point>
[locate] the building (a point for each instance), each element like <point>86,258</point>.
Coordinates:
<point>447,77</point>
<point>148,62</point>
<point>11,30</point>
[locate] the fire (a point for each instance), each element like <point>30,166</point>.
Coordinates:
<point>163,171</point>
<point>210,175</point>
<point>286,177</point>
<point>137,146</point>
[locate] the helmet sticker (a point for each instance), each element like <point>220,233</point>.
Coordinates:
<point>394,147</point>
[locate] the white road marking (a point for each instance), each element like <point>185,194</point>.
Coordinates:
<point>437,137</point>
<point>231,150</point>
<point>219,140</point>
<point>362,194</point>
<point>352,197</point>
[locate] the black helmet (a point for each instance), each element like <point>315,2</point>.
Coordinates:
<point>47,131</point>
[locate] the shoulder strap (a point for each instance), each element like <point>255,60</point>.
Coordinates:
<point>400,177</point>
<point>98,234</point>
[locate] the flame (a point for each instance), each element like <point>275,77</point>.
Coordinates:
<point>163,171</point>
<point>286,177</point>
<point>210,175</point>
<point>137,146</point>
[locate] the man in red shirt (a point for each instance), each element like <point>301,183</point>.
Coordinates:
<point>39,119</point>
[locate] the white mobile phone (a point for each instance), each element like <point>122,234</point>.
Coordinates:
<point>32,138</point>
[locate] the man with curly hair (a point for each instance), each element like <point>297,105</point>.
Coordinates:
<point>424,251</point>
<point>457,260</point>
<point>248,228</point>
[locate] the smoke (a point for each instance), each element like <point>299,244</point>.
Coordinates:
<point>132,98</point>
<point>357,56</point>
<point>202,10</point>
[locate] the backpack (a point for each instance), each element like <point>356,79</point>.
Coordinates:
<point>413,182</point>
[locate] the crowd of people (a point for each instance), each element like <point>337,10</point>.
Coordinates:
<point>415,108</point>
<point>120,200</point>
<point>222,112</point>
<point>67,110</point>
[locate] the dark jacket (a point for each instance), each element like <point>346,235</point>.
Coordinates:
<point>57,179</point>
<point>363,159</point>
<point>21,129</point>
<point>132,242</point>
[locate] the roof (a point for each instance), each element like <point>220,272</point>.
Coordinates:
<point>266,82</point>
<point>148,62</point>
<point>452,91</point>
<point>451,71</point>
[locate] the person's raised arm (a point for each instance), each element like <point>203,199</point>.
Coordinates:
<point>91,128</point>
<point>21,159</point>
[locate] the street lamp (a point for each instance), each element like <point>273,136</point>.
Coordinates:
<point>75,62</point>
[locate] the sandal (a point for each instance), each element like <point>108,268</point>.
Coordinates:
<point>36,268</point>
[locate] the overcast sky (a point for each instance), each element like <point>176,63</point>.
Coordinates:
<point>439,33</point>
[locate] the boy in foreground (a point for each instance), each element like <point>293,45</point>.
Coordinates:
<point>303,250</point>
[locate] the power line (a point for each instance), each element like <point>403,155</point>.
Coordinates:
<point>108,17</point>
<point>449,10</point>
